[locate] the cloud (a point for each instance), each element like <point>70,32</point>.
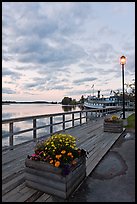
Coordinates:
<point>8,91</point>
<point>14,75</point>
<point>84,80</point>
<point>61,45</point>
<point>46,83</point>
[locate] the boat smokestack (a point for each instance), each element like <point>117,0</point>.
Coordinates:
<point>98,94</point>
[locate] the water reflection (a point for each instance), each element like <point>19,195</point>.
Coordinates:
<point>72,108</point>
<point>68,108</point>
<point>7,115</point>
<point>22,110</point>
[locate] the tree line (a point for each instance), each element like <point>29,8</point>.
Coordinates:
<point>69,101</point>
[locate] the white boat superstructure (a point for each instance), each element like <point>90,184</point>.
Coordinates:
<point>94,102</point>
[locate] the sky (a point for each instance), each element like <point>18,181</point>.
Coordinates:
<point>55,49</point>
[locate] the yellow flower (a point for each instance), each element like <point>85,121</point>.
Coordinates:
<point>114,117</point>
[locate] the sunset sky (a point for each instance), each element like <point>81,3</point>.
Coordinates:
<point>53,49</point>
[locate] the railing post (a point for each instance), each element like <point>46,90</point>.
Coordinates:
<point>99,113</point>
<point>86,117</point>
<point>34,129</point>
<point>72,119</point>
<point>80,118</point>
<point>51,124</point>
<point>11,136</point>
<point>63,122</point>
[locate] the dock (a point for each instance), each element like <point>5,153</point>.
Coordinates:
<point>91,137</point>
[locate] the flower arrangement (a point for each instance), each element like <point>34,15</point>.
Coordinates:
<point>113,118</point>
<point>58,150</point>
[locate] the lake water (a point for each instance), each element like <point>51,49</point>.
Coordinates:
<point>22,110</point>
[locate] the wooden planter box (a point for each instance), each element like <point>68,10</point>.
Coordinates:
<point>47,178</point>
<point>110,126</point>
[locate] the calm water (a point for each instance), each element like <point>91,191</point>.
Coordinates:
<point>21,110</point>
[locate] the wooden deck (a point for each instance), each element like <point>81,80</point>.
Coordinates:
<point>90,136</point>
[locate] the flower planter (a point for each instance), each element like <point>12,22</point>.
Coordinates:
<point>113,126</point>
<point>49,179</point>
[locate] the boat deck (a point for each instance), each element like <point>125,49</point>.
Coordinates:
<point>91,137</point>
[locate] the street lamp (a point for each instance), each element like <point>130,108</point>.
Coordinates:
<point>123,62</point>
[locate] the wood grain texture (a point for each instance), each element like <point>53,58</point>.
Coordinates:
<point>91,138</point>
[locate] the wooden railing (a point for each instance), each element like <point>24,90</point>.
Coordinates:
<point>84,114</point>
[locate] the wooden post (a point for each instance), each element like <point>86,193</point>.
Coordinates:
<point>51,124</point>
<point>80,118</point>
<point>63,122</point>
<point>34,129</point>
<point>72,119</point>
<point>86,117</point>
<point>11,132</point>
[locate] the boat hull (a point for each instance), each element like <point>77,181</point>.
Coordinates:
<point>88,105</point>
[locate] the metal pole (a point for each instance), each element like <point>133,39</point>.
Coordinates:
<point>123,92</point>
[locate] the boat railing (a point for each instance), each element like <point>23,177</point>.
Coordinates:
<point>75,118</point>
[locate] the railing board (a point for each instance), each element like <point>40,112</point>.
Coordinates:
<point>50,117</point>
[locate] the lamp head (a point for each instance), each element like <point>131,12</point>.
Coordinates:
<point>123,60</point>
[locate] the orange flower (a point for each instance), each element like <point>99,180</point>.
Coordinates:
<point>72,156</point>
<point>51,161</point>
<point>63,151</point>
<point>57,163</point>
<point>74,162</point>
<point>58,156</point>
<point>69,154</point>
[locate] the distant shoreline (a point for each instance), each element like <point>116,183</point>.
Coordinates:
<point>28,102</point>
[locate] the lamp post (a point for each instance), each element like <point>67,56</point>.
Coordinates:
<point>123,62</point>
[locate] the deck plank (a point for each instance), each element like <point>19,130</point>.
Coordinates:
<point>91,137</point>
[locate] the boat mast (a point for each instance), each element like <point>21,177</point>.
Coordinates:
<point>93,89</point>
